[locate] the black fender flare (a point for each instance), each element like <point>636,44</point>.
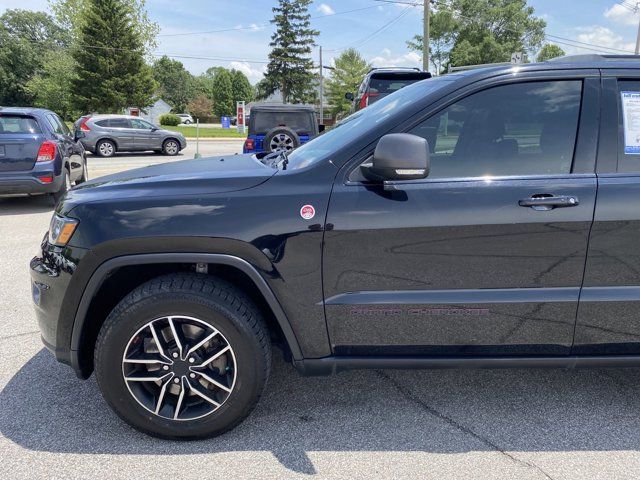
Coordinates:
<point>101,273</point>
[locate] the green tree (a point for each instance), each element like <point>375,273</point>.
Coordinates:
<point>175,82</point>
<point>484,31</point>
<point>223,93</point>
<point>242,89</point>
<point>52,87</point>
<point>290,68</point>
<point>442,27</point>
<point>24,35</point>
<point>350,69</point>
<point>112,73</point>
<point>72,14</point>
<point>549,51</point>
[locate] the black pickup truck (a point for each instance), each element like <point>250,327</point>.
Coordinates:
<point>489,218</point>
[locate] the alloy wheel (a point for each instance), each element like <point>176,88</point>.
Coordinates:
<point>106,149</point>
<point>171,147</point>
<point>281,141</point>
<point>179,368</point>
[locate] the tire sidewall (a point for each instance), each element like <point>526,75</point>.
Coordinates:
<point>247,351</point>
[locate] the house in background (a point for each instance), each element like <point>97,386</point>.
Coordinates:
<point>151,113</point>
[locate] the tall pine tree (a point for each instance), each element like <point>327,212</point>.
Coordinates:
<point>290,68</point>
<point>112,72</point>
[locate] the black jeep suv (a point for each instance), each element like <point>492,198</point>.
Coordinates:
<point>480,219</point>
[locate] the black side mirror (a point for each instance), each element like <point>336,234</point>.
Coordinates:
<point>321,128</point>
<point>78,135</point>
<point>349,96</point>
<point>154,129</point>
<point>398,156</point>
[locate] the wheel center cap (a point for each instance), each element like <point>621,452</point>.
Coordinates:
<point>180,368</point>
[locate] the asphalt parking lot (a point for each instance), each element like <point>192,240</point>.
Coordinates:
<point>493,424</point>
<point>124,161</point>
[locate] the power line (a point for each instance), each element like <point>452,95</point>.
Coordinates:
<point>257,26</point>
<point>382,28</point>
<point>551,37</point>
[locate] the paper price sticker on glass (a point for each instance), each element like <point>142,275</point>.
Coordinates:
<point>631,121</point>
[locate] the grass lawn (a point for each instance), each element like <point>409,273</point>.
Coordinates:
<point>208,132</point>
<point>205,132</point>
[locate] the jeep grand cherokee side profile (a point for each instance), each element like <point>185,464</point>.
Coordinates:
<point>480,219</point>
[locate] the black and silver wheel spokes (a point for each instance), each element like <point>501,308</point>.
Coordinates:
<point>179,368</point>
<point>280,142</point>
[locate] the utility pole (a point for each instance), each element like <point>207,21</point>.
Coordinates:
<point>321,89</point>
<point>425,37</point>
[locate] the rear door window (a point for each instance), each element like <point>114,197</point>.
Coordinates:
<point>18,124</point>
<point>57,125</point>
<point>629,126</point>
<point>119,123</point>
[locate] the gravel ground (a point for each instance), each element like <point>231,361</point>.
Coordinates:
<point>500,424</point>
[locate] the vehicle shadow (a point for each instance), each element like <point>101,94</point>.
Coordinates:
<point>25,205</point>
<point>45,408</point>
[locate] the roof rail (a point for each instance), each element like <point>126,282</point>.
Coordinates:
<point>592,57</point>
<point>482,65</point>
<point>394,68</point>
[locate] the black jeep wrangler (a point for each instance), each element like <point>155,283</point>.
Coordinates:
<point>480,219</point>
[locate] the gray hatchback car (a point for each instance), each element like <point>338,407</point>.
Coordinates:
<point>105,135</point>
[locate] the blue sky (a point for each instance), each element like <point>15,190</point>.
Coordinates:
<point>246,43</point>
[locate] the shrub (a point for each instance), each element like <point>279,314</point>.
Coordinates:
<point>169,119</point>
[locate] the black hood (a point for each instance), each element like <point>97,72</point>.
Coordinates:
<point>226,173</point>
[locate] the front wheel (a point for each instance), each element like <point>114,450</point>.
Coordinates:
<point>183,356</point>
<point>171,147</point>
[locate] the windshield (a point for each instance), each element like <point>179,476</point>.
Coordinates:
<point>363,121</point>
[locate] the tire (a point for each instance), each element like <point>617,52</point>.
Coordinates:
<point>187,122</point>
<point>171,147</point>
<point>64,188</point>
<point>189,298</point>
<point>85,173</point>
<point>281,138</point>
<point>106,148</point>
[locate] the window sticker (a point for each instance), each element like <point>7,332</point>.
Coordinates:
<point>631,122</point>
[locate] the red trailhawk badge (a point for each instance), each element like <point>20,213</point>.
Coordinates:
<point>307,212</point>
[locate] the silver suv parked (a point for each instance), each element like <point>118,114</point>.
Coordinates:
<point>105,135</point>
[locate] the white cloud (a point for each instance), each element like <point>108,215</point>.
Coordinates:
<point>621,15</point>
<point>326,9</point>
<point>253,73</point>
<point>387,59</point>
<point>603,37</point>
<point>255,27</point>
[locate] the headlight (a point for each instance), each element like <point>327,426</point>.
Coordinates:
<point>61,229</point>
